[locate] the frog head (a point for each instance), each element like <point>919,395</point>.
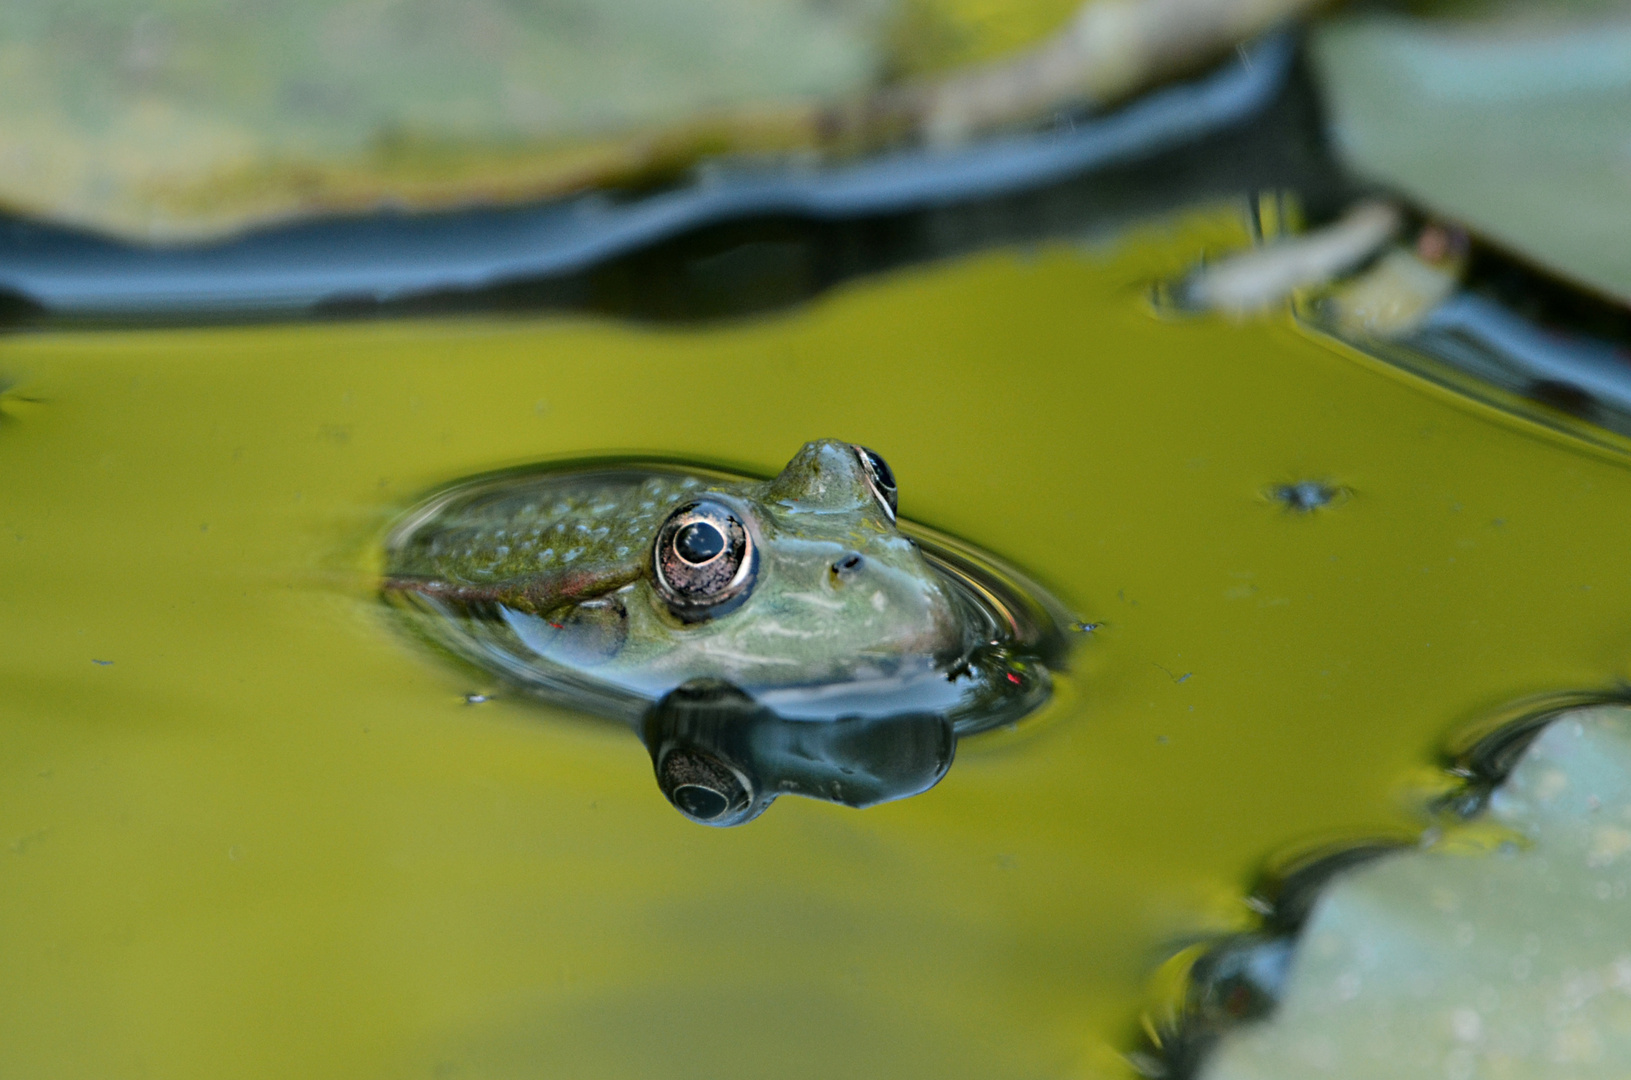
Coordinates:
<point>805,579</point>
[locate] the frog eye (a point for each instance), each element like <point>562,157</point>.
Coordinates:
<point>703,560</point>
<point>880,479</point>
<point>704,788</point>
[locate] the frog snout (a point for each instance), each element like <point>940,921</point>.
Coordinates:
<point>847,566</point>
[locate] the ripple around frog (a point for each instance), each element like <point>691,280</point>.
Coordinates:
<point>723,752</point>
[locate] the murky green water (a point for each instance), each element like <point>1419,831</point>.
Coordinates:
<point>250,829</point>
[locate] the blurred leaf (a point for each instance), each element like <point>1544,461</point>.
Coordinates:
<point>1520,128</point>
<point>186,120</point>
<point>175,119</point>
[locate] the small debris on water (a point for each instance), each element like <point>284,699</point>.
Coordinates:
<point>1086,627</point>
<point>100,663</point>
<point>1174,676</point>
<point>1306,496</point>
<point>477,699</point>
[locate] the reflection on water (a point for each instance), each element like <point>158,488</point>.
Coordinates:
<point>766,637</point>
<point>1451,308</point>
<point>721,758</point>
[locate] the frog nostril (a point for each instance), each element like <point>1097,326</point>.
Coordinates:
<point>847,565</point>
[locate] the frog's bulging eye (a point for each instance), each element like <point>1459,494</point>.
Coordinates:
<point>703,561</point>
<point>880,479</point>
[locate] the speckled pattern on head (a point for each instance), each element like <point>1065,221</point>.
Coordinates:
<point>531,531</point>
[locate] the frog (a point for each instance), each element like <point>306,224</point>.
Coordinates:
<point>685,599</point>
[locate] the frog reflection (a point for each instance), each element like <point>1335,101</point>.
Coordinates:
<point>721,758</point>
<point>798,600</point>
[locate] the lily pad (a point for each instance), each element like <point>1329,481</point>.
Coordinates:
<point>182,121</point>
<point>1511,963</point>
<point>1518,127</point>
<point>175,119</point>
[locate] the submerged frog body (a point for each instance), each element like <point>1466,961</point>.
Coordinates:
<point>614,587</point>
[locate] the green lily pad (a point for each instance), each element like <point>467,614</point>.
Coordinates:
<point>184,119</point>
<point>176,118</point>
<point>1518,127</point>
<point>1513,963</point>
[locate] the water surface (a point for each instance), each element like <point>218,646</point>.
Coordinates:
<point>252,830</point>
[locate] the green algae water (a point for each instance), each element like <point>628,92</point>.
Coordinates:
<point>250,829</point>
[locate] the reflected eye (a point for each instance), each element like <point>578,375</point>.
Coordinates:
<point>704,788</point>
<point>699,542</point>
<point>880,479</point>
<point>703,560</point>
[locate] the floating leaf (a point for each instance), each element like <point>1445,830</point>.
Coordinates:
<point>1521,129</point>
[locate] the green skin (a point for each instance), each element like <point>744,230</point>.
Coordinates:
<point>556,563</point>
